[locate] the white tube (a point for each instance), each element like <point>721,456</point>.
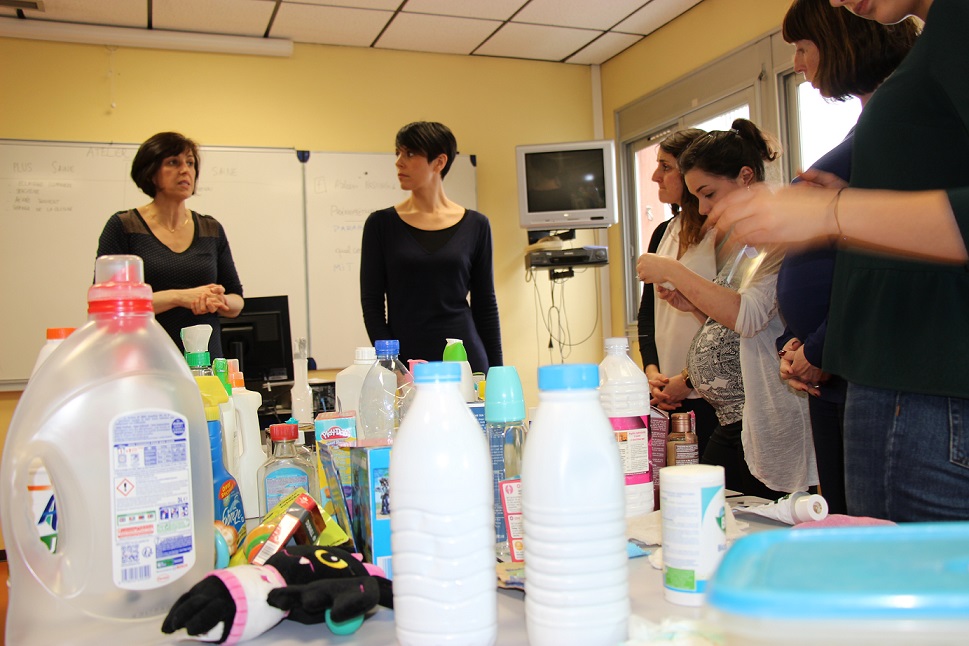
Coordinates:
<point>798,507</point>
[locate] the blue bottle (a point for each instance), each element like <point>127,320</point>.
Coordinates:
<point>230,516</point>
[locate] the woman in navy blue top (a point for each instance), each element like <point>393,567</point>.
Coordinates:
<point>426,270</point>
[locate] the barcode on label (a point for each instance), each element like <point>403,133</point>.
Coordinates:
<point>135,573</point>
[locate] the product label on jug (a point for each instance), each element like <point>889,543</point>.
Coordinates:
<point>151,502</point>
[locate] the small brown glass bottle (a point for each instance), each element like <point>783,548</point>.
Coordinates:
<point>681,444</point>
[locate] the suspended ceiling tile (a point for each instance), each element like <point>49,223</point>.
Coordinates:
<point>329,25</point>
<point>654,15</point>
<point>385,5</point>
<point>114,13</point>
<point>490,9</point>
<point>536,41</point>
<point>585,14</point>
<point>235,17</point>
<point>439,34</point>
<point>604,48</point>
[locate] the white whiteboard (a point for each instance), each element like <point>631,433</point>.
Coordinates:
<point>56,196</point>
<point>341,191</point>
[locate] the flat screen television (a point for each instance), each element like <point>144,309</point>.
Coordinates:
<point>260,339</point>
<point>567,185</point>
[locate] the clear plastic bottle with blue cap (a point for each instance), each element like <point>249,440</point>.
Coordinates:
<point>441,518</point>
<point>505,427</point>
<point>115,394</point>
<point>385,396</point>
<point>573,509</point>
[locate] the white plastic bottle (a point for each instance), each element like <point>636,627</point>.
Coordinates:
<point>624,393</point>
<point>252,453</point>
<point>117,393</point>
<point>455,351</point>
<point>349,381</point>
<point>229,418</point>
<point>441,518</point>
<point>573,511</point>
<point>385,396</point>
<point>41,490</point>
<point>55,336</point>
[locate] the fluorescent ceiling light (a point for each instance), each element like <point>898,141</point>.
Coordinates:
<point>146,38</point>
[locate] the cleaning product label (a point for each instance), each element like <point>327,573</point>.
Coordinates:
<point>632,436</point>
<point>43,504</point>
<point>151,499</point>
<point>282,482</point>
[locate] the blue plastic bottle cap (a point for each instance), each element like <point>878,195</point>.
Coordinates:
<point>504,401</point>
<point>575,376</point>
<point>437,371</point>
<point>387,346</point>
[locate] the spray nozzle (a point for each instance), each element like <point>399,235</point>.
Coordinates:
<point>196,337</point>
<point>455,351</point>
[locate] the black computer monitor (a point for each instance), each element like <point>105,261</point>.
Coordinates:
<point>260,339</point>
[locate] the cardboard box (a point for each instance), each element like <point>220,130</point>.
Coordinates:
<point>337,432</point>
<point>371,504</point>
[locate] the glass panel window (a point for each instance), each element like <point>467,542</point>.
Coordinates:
<point>821,124</point>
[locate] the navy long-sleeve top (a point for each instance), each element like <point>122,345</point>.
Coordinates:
<point>805,277</point>
<point>426,290</point>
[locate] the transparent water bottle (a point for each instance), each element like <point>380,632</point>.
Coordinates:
<point>286,470</point>
<point>573,510</point>
<point>385,396</point>
<point>441,518</point>
<point>624,393</point>
<point>116,393</point>
<point>505,426</point>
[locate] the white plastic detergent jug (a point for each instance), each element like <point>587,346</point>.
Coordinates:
<point>117,421</point>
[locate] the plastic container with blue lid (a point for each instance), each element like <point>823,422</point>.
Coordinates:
<point>906,584</point>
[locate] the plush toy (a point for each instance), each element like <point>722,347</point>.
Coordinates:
<point>304,583</point>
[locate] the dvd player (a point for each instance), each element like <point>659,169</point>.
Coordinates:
<point>581,256</point>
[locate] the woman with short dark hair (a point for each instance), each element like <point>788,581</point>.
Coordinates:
<point>186,255</point>
<point>422,259</point>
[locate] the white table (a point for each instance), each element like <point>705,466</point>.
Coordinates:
<point>645,589</point>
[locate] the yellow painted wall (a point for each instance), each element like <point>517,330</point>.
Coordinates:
<point>349,99</point>
<point>704,33</point>
<point>322,98</point>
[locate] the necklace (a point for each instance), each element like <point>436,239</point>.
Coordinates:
<point>170,229</point>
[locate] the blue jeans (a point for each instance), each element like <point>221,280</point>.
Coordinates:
<point>906,455</point>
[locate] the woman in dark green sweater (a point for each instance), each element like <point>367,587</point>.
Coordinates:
<point>900,300</point>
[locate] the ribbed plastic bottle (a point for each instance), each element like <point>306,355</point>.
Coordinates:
<point>252,453</point>
<point>624,393</point>
<point>350,380</point>
<point>441,518</point>
<point>505,427</point>
<point>117,394</point>
<point>573,507</point>
<point>385,396</point>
